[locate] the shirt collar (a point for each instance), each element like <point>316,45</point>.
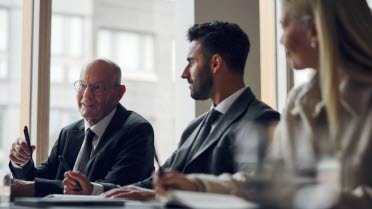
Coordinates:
<point>100,127</point>
<point>223,106</point>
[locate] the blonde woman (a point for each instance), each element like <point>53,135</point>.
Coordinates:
<point>326,129</point>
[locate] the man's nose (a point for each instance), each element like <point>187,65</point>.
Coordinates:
<point>186,73</point>
<point>88,92</point>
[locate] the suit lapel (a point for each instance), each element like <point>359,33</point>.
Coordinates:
<point>185,148</point>
<point>237,109</point>
<point>115,124</point>
<point>75,142</point>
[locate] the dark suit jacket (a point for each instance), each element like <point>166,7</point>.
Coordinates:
<point>216,156</point>
<point>124,155</point>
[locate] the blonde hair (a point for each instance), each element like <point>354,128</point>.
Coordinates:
<point>344,29</point>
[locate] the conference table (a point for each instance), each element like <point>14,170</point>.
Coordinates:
<point>126,206</point>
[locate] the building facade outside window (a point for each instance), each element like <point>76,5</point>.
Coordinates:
<point>4,33</point>
<point>10,75</point>
<point>133,51</point>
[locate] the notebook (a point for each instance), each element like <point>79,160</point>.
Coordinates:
<point>199,200</point>
<point>68,200</point>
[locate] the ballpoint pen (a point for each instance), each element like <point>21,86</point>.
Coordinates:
<point>27,137</point>
<point>67,168</point>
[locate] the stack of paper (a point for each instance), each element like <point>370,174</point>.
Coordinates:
<point>199,200</point>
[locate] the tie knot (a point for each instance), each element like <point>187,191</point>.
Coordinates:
<point>90,135</point>
<point>212,116</point>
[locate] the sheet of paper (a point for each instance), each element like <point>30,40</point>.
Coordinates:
<point>72,197</point>
<point>208,200</point>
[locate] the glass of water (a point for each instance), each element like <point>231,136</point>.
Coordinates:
<point>5,181</point>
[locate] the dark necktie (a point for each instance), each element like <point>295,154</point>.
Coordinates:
<point>203,133</point>
<point>87,150</point>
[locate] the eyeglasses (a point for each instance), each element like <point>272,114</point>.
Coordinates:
<point>97,89</point>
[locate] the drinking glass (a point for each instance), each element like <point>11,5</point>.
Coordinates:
<point>5,180</point>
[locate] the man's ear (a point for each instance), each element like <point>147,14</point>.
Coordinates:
<point>215,63</point>
<point>122,90</point>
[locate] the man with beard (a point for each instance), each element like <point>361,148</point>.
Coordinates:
<point>215,70</point>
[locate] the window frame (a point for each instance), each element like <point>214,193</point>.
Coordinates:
<point>35,73</point>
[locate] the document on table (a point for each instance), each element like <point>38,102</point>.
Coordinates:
<point>207,200</point>
<point>72,197</point>
<point>69,200</point>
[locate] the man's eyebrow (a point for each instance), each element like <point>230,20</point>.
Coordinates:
<point>190,59</point>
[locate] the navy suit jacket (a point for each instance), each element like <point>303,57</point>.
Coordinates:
<point>216,156</point>
<point>124,155</point>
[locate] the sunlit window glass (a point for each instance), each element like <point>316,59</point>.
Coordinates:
<point>57,75</point>
<point>10,75</point>
<point>134,51</point>
<point>73,73</point>
<point>4,30</point>
<point>148,53</point>
<point>104,43</point>
<point>66,61</point>
<point>128,50</point>
<point>3,67</point>
<point>57,35</point>
<point>75,36</point>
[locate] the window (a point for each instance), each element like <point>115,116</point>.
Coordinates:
<point>10,75</point>
<point>3,155</point>
<point>133,51</point>
<point>4,32</point>
<point>67,35</point>
<point>66,62</point>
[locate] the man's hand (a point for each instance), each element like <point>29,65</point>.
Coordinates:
<point>173,180</point>
<point>21,188</point>
<point>130,192</point>
<point>20,153</point>
<point>71,180</point>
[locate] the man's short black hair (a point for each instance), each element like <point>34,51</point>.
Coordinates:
<point>224,38</point>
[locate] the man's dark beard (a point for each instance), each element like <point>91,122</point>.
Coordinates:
<point>202,86</point>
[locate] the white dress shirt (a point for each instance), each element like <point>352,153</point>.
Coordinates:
<point>225,105</point>
<point>98,129</point>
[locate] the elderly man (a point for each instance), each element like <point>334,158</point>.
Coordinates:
<point>111,145</point>
<point>215,70</point>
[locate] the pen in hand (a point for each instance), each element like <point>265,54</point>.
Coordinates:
<point>161,171</point>
<point>27,137</point>
<point>67,168</point>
